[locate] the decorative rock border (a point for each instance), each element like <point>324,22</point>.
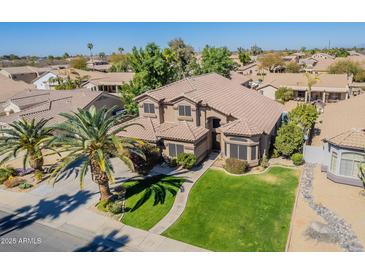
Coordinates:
<point>341,230</point>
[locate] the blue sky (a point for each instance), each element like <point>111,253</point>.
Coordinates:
<point>56,38</point>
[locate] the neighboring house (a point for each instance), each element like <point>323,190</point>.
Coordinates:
<point>204,113</point>
<point>98,65</point>
<point>343,135</point>
<point>248,69</point>
<point>322,65</point>
<point>44,81</point>
<point>323,56</point>
<point>9,87</point>
<point>291,58</point>
<point>329,87</point>
<point>26,73</point>
<point>109,82</point>
<point>46,104</point>
<point>308,63</point>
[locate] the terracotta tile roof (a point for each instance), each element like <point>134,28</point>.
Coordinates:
<point>240,127</point>
<point>45,104</point>
<point>226,96</point>
<point>353,138</point>
<point>343,116</point>
<point>9,87</point>
<point>181,131</point>
<point>149,130</point>
<point>112,78</point>
<point>298,81</point>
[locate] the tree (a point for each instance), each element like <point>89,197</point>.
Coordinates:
<point>65,55</point>
<point>292,67</point>
<point>90,46</point>
<point>217,60</point>
<point>305,115</point>
<point>120,49</point>
<point>244,56</point>
<point>350,68</point>
<point>90,138</point>
<point>102,55</point>
<point>78,63</point>
<point>289,139</point>
<point>311,80</point>
<point>181,56</point>
<point>28,137</point>
<point>255,50</point>
<point>271,60</point>
<point>284,94</point>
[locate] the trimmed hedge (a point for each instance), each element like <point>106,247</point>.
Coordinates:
<point>186,160</point>
<point>235,166</point>
<point>297,159</point>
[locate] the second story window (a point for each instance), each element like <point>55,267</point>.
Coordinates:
<point>184,110</point>
<point>148,108</point>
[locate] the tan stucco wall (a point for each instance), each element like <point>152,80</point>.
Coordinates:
<point>158,115</point>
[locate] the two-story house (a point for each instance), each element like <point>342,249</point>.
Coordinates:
<point>204,113</point>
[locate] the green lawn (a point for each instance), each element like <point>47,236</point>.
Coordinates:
<point>238,213</point>
<point>149,200</point>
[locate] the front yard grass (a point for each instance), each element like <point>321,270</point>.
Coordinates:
<point>238,213</point>
<point>149,200</point>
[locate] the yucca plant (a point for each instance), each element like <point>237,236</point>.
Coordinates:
<point>27,137</point>
<point>89,137</point>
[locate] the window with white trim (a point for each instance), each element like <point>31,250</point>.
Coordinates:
<point>350,163</point>
<point>185,111</point>
<point>175,149</point>
<point>333,166</point>
<point>148,108</point>
<point>254,153</point>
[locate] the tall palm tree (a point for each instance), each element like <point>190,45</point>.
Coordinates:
<point>311,80</point>
<point>89,138</point>
<point>121,50</point>
<point>29,137</point>
<point>90,46</point>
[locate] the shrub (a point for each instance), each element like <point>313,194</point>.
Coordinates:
<point>186,160</point>
<point>25,185</point>
<point>264,162</point>
<point>289,139</point>
<point>171,162</point>
<point>304,114</point>
<point>235,166</point>
<point>284,94</point>
<point>153,156</point>
<point>6,173</point>
<point>115,207</point>
<point>13,182</point>
<point>297,159</point>
<point>275,154</point>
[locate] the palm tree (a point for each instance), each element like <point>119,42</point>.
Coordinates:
<point>90,46</point>
<point>311,80</point>
<point>121,50</point>
<point>29,137</point>
<point>89,138</point>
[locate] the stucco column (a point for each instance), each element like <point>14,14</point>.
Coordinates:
<point>306,96</point>
<point>324,97</point>
<point>347,96</point>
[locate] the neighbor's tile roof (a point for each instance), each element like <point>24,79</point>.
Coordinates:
<point>46,104</point>
<point>343,116</point>
<point>240,127</point>
<point>226,96</point>
<point>298,81</point>
<point>353,138</point>
<point>112,78</point>
<point>25,69</point>
<point>148,129</point>
<point>9,87</point>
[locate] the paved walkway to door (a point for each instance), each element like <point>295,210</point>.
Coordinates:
<point>182,197</point>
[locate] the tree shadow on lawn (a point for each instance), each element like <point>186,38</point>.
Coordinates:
<point>42,210</point>
<point>155,186</point>
<point>108,243</point>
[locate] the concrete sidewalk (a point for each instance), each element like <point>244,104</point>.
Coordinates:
<point>73,213</point>
<point>182,197</point>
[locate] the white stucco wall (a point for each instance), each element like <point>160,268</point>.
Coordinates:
<point>43,81</point>
<point>268,91</point>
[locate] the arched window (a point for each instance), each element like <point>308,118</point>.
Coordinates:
<point>350,163</point>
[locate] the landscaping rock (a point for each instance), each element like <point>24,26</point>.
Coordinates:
<point>336,230</point>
